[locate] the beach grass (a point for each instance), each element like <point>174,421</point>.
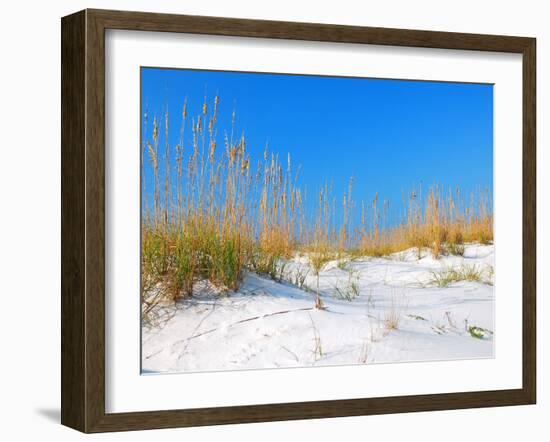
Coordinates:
<point>211,214</point>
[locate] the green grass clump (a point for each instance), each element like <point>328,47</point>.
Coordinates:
<point>449,275</point>
<point>478,332</point>
<point>183,267</point>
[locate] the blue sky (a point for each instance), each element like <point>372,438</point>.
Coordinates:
<point>390,135</point>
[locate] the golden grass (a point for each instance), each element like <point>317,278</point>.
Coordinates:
<point>439,223</point>
<point>215,214</point>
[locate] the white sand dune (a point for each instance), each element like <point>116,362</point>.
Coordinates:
<point>268,324</point>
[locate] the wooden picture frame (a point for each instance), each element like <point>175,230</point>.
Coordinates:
<point>83,220</point>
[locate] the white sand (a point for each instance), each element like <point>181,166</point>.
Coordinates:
<point>267,324</point>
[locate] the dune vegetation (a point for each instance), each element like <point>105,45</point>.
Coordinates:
<point>213,212</point>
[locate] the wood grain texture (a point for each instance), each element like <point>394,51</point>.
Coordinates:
<point>144,21</point>
<point>83,220</point>
<point>73,129</point>
<point>529,221</point>
<point>95,221</point>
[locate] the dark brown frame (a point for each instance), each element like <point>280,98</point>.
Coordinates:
<point>83,217</point>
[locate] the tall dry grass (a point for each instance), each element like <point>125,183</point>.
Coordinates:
<point>209,213</point>
<point>438,222</point>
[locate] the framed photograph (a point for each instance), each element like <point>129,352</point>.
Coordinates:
<point>269,220</point>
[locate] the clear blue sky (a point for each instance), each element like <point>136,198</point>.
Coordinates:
<point>390,135</point>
